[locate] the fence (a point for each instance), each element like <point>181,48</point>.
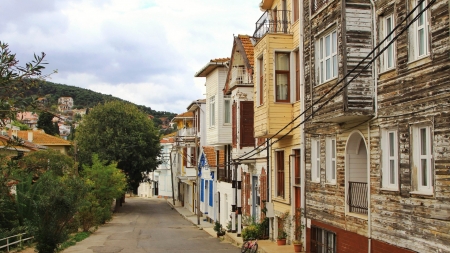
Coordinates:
<point>13,241</point>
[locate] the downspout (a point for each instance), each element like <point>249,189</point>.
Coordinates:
<point>375,74</point>
<point>269,174</point>
<point>302,126</point>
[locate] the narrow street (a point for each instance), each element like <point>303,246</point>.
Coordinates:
<point>149,225</point>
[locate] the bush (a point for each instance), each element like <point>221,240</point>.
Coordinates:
<point>252,231</point>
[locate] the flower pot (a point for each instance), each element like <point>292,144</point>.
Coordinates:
<point>220,233</point>
<point>281,241</point>
<point>298,247</point>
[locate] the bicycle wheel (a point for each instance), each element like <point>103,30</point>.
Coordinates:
<point>244,247</point>
<point>254,248</point>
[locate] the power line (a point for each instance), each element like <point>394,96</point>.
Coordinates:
<point>342,79</point>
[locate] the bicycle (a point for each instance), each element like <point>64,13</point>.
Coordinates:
<point>251,246</point>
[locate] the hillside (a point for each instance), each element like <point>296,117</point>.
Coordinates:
<point>85,98</point>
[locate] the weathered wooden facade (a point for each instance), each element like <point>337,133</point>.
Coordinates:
<point>377,135</point>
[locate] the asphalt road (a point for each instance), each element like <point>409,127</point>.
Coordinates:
<point>149,225</point>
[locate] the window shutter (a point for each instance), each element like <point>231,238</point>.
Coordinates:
<point>202,190</point>
<point>185,156</point>
<point>234,124</point>
<point>211,193</point>
<point>246,127</point>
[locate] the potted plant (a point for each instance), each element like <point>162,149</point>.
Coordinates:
<point>218,228</point>
<point>282,234</point>
<point>298,228</point>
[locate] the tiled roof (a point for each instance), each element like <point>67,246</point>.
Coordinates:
<point>41,138</point>
<point>167,140</point>
<point>185,115</point>
<point>24,147</point>
<point>248,47</point>
<point>220,60</point>
<point>210,154</point>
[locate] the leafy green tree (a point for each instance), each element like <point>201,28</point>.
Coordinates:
<point>105,183</point>
<point>120,132</point>
<point>45,122</point>
<point>14,81</point>
<point>54,202</point>
<point>20,125</point>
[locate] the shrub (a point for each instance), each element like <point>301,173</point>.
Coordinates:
<point>252,231</point>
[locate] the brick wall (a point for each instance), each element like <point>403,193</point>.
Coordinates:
<point>350,242</point>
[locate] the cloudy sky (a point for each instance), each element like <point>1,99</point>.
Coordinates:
<point>143,51</point>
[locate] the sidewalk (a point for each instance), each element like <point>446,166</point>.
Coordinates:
<point>264,246</point>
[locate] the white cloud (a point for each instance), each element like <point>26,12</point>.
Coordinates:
<point>143,51</point>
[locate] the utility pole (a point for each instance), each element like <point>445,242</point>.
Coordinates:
<point>171,179</point>
<point>198,181</point>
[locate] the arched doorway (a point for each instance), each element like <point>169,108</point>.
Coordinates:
<point>357,171</point>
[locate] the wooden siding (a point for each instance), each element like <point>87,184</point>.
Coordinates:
<point>414,92</point>
<point>271,116</point>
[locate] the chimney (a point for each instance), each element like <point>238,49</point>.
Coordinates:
<point>30,136</point>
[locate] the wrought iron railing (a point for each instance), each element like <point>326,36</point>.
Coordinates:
<point>357,197</point>
<point>317,4</point>
<point>273,22</point>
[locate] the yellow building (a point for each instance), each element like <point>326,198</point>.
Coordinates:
<point>277,103</point>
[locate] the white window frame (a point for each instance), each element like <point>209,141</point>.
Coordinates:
<point>390,52</point>
<point>315,160</point>
<point>227,110</point>
<point>389,157</point>
<point>331,160</point>
<point>323,57</point>
<point>423,155</point>
<point>260,83</point>
<point>420,27</point>
<point>212,111</point>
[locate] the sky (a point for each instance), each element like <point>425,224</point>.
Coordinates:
<point>143,51</point>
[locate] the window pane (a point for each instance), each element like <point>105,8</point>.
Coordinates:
<point>391,144</point>
<point>328,46</point>
<point>335,66</point>
<point>282,86</point>
<point>421,19</point>
<point>423,141</point>
<point>333,148</point>
<point>282,61</point>
<point>333,43</point>
<point>328,69</point>
<point>392,171</point>
<point>321,48</point>
<point>333,169</point>
<point>227,111</point>
<point>421,38</point>
<point>424,172</point>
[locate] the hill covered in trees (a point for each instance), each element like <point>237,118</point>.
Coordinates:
<point>85,98</point>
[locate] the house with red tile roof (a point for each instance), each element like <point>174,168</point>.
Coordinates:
<point>39,137</point>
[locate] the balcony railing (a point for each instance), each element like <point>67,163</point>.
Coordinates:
<point>186,132</point>
<point>239,75</point>
<point>317,4</point>
<point>273,22</point>
<point>357,197</point>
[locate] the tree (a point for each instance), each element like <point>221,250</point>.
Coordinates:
<point>45,122</point>
<point>105,183</point>
<point>119,132</point>
<point>14,80</point>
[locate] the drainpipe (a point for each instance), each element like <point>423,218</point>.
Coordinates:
<point>302,126</point>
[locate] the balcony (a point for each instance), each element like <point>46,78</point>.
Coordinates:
<point>273,22</point>
<point>357,197</point>
<point>239,75</point>
<point>186,135</point>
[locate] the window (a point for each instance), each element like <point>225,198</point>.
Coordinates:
<point>389,156</point>
<point>297,76</point>
<point>261,81</point>
<point>331,160</point>
<point>202,190</point>
<point>282,77</point>
<point>279,156</point>
<point>327,57</point>
<point>211,193</point>
<point>297,174</point>
<point>212,111</point>
<point>227,110</point>
<point>422,158</point>
<point>388,56</point>
<point>419,31</point>
<point>315,160</point>
<point>322,240</point>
